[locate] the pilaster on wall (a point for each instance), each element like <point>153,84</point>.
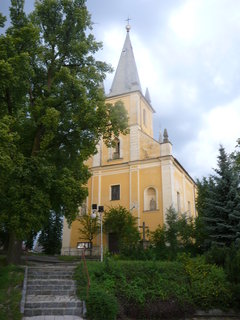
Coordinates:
<point>166,149</point>
<point>66,236</point>
<point>134,143</point>
<point>97,156</point>
<point>167,185</point>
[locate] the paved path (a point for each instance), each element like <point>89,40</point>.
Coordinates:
<point>53,318</point>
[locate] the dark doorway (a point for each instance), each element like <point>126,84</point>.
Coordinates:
<point>113,245</point>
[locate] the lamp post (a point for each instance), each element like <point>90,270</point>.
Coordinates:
<point>100,211</point>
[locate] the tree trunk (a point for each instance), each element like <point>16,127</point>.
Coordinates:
<point>14,250</point>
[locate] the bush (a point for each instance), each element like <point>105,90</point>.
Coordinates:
<point>156,289</point>
<point>209,287</point>
<point>232,265</point>
<point>217,255</point>
<point>101,305</point>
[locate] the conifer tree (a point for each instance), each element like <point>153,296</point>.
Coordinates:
<point>51,235</point>
<point>222,208</point>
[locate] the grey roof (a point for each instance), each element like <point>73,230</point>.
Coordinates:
<point>126,77</point>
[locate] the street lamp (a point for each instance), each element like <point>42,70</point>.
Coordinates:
<point>100,211</point>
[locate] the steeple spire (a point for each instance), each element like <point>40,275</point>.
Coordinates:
<point>165,136</point>
<point>126,78</point>
<point>147,96</point>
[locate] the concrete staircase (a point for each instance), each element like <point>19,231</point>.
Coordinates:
<point>51,291</point>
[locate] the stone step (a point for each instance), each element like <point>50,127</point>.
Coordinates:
<point>50,276</point>
<point>52,287</point>
<point>50,282</point>
<point>52,311</point>
<point>59,272</point>
<point>54,304</point>
<point>53,292</point>
<point>70,286</point>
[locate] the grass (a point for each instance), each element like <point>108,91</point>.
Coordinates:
<point>11,279</point>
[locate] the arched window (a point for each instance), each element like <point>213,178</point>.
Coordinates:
<point>150,199</point>
<point>116,151</point>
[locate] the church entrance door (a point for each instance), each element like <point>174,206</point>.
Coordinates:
<point>113,244</point>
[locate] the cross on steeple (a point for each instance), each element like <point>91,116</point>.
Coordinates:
<point>128,27</point>
<point>128,19</point>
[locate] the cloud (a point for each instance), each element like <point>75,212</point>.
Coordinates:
<point>219,126</point>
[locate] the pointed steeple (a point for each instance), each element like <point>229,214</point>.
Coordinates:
<point>126,78</point>
<point>147,96</point>
<point>165,136</point>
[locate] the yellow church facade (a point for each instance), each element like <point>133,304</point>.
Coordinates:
<point>139,173</point>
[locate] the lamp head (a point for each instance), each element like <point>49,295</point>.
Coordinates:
<point>94,207</point>
<point>100,208</point>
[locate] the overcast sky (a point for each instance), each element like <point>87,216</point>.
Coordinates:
<point>188,55</point>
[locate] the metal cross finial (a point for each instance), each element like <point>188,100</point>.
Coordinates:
<point>128,19</point>
<point>128,27</point>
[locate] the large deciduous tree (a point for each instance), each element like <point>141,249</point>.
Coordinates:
<point>52,114</point>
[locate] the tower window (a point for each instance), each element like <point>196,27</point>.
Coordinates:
<point>189,207</point>
<point>178,202</point>
<point>115,192</point>
<point>144,117</point>
<point>116,153</point>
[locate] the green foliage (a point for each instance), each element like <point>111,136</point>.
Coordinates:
<point>52,114</point>
<point>147,289</point>
<point>200,235</point>
<point>220,202</point>
<point>176,236</point>
<point>123,224</point>
<point>229,259</point>
<point>232,265</point>
<point>11,278</point>
<point>101,305</point>
<point>217,255</point>
<point>51,235</point>
<point>89,227</point>
<point>208,285</point>
<point>2,20</point>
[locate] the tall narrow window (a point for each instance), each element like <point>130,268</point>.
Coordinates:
<point>116,153</point>
<point>144,117</point>
<point>189,207</point>
<point>115,192</point>
<point>178,202</point>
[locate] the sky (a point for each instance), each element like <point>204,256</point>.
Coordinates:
<point>187,54</point>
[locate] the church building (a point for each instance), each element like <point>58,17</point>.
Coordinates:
<point>139,173</point>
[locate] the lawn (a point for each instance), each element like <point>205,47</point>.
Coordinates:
<point>11,279</point>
